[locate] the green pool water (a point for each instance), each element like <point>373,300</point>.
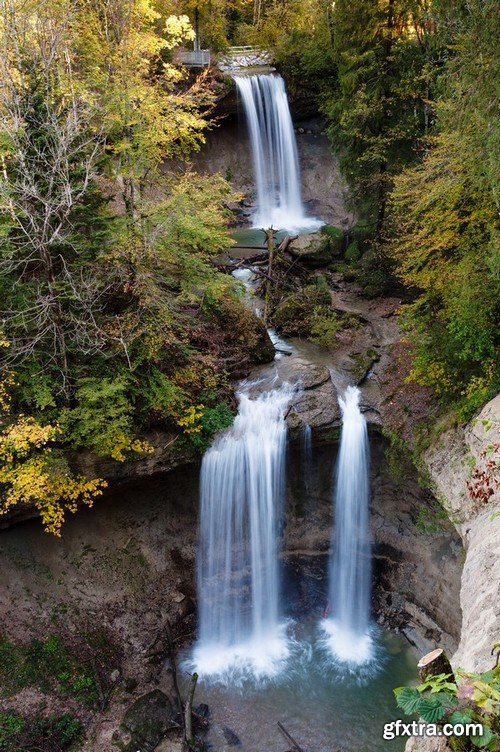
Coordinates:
<point>323,706</point>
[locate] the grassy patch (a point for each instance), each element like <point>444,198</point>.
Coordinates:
<point>54,734</point>
<point>78,666</point>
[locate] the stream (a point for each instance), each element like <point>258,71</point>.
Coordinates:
<point>328,674</point>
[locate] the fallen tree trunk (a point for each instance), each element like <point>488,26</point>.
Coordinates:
<point>295,746</point>
<point>286,242</point>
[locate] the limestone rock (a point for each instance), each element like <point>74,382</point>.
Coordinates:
<point>450,462</point>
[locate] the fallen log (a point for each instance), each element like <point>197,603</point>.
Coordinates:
<point>295,746</point>
<point>286,242</point>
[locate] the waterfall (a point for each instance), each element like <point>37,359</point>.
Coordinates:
<point>274,153</point>
<point>242,490</point>
<point>350,567</point>
<point>305,456</point>
<point>305,445</point>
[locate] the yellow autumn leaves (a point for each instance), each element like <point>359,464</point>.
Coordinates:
<point>33,472</point>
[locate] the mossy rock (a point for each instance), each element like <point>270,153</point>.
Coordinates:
<point>337,238</point>
<point>313,249</point>
<point>362,363</point>
<point>297,311</point>
<point>263,351</point>
<point>147,721</point>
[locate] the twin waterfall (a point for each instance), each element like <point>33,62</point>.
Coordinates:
<point>241,624</point>
<point>274,153</point>
<point>242,492</point>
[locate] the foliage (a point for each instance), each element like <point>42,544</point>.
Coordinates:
<point>376,103</point>
<point>53,733</point>
<point>211,421</point>
<point>485,478</point>
<point>102,419</point>
<point>444,234</point>
<point>115,317</point>
<point>32,471</point>
<point>440,699</point>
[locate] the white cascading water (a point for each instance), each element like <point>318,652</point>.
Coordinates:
<point>348,625</point>
<point>274,153</point>
<point>242,489</point>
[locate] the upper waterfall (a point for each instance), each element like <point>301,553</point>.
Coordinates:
<point>274,153</point>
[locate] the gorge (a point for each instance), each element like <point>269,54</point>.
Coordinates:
<point>300,549</point>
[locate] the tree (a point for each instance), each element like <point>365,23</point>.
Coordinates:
<point>444,224</point>
<point>48,154</point>
<point>376,107</point>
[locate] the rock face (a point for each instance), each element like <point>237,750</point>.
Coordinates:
<point>317,248</point>
<point>227,151</point>
<point>451,462</point>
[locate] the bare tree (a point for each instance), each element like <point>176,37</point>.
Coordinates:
<point>48,151</point>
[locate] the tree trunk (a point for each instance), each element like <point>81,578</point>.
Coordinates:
<point>434,663</point>
<point>188,712</point>
<point>271,248</point>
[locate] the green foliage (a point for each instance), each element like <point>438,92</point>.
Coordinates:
<point>352,254</point>
<point>444,222</point>
<point>475,699</point>
<point>78,666</point>
<point>54,733</point>
<point>102,418</point>
<point>212,420</point>
<point>375,106</point>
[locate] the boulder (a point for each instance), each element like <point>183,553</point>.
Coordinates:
<point>147,721</point>
<point>313,249</point>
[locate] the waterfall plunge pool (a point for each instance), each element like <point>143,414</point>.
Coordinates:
<point>323,705</point>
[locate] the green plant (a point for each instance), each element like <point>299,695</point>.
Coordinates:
<point>352,254</point>
<point>26,734</point>
<point>441,699</point>
<point>213,420</point>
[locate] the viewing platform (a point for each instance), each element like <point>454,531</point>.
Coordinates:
<point>234,59</point>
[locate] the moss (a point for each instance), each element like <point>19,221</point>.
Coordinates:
<point>325,329</point>
<point>78,666</point>
<point>352,254</point>
<point>337,238</point>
